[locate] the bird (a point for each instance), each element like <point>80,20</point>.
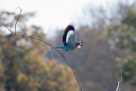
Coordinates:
<point>68,40</point>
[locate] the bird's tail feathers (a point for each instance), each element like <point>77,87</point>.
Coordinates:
<point>59,48</point>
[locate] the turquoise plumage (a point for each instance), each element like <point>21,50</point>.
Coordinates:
<point>68,40</point>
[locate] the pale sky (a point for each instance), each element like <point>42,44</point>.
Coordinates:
<point>51,14</point>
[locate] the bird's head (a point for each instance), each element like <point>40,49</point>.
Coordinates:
<point>79,44</point>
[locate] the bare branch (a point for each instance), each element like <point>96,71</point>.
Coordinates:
<point>121,68</point>
<point>47,44</point>
<point>17,18</point>
<point>6,27</point>
<point>118,86</point>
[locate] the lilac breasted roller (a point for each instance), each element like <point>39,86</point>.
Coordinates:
<point>68,40</point>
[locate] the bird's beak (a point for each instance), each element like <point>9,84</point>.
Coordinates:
<point>81,44</point>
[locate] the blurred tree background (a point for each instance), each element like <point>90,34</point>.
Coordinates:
<point>23,66</point>
<point>122,34</point>
<point>109,42</point>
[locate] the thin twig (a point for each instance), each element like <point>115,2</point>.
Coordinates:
<point>17,19</point>
<point>47,44</point>
<point>6,27</point>
<point>121,76</point>
<point>118,86</point>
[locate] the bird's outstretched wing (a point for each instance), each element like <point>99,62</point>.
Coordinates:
<point>68,35</point>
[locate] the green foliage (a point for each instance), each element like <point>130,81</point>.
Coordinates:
<point>130,18</point>
<point>23,66</point>
<point>123,36</point>
<point>129,71</point>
